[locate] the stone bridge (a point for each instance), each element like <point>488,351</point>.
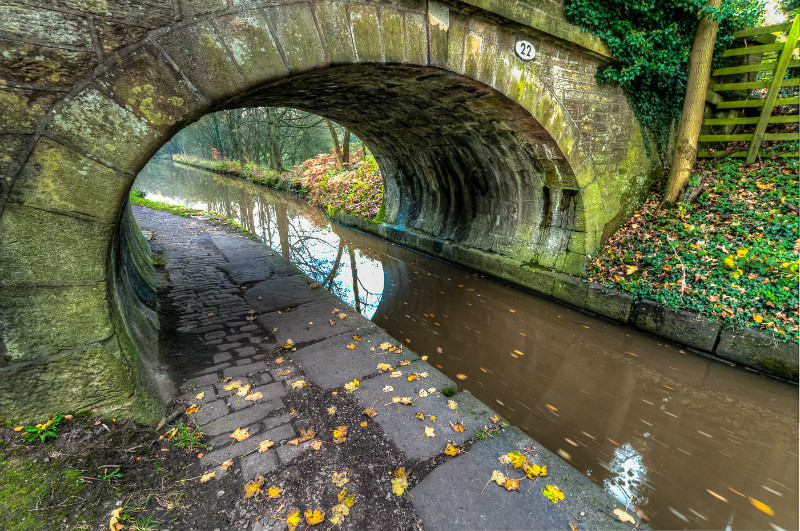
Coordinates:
<point>487,160</point>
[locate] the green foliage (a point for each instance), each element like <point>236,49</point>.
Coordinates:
<point>651,40</point>
<point>107,476</point>
<point>448,392</point>
<point>186,437</point>
<point>41,432</point>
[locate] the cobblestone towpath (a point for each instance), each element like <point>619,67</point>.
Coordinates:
<point>338,416</point>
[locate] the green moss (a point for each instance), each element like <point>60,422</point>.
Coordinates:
<point>777,367</point>
<point>26,485</point>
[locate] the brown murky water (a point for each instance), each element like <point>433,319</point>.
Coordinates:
<point>693,443</point>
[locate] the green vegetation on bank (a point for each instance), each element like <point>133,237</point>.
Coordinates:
<point>356,189</point>
<point>651,42</point>
<point>729,251</point>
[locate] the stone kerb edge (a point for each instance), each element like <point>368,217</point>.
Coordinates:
<point>717,341</point>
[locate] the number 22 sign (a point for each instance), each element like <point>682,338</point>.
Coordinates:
<point>525,50</point>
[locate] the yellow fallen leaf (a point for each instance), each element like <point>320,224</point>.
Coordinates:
<point>293,520</point>
<point>517,459</point>
<point>254,396</point>
<point>314,517</point>
<point>624,517</point>
<point>278,361</point>
<point>420,415</point>
<point>305,435</point>
<point>495,419</point>
<point>263,446</point>
<point>400,481</point>
<point>533,471</point>
<point>404,363</point>
<point>432,418</point>
<point>423,374</point>
<point>461,376</point>
<point>192,409</point>
<point>274,492</point>
<point>340,435</point>
<point>19,428</point>
<point>423,393</point>
<point>340,479</point>
<point>552,493</point>
<point>243,390</point>
<point>452,404</point>
<point>761,506</point>
<point>240,434</point>
<point>200,396</point>
<point>370,412</point>
<point>333,323</point>
<point>233,385</point>
<point>429,432</point>
<point>298,384</point>
<point>498,477</point>
<point>287,372</point>
<point>363,424</point>
<point>351,346</point>
<point>385,346</point>
<point>357,337</point>
<point>424,358</point>
<point>757,318</point>
<point>207,476</point>
<point>227,464</point>
<point>114,524</point>
<point>511,484</point>
<point>253,487</point>
<point>458,427</point>
<point>346,498</point>
<point>452,449</point>
<point>338,512</point>
<point>342,315</point>
<point>413,376</point>
<point>384,367</point>
<point>388,389</point>
<point>332,410</point>
<point>402,400</point>
<point>352,386</point>
<point>316,444</point>
<point>396,374</point>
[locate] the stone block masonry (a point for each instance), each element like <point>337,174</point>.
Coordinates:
<point>196,254</point>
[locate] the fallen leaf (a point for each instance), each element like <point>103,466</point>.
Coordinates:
<point>404,363</point>
<point>340,479</point>
<point>357,337</point>
<point>452,449</point>
<point>370,412</point>
<point>431,389</point>
<point>461,376</point>
<point>429,432</point>
<point>402,400</point>
<point>293,520</point>
<point>340,435</point>
<point>517,459</point>
<point>351,346</point>
<point>511,484</point>
<point>332,410</point>
<point>314,517</point>
<point>452,404</point>
<point>423,393</point>
<point>384,367</point>
<point>114,524</point>
<point>287,372</point>
<point>278,361</point>
<point>458,427</point>
<point>227,464</point>
<point>207,476</point>
<point>240,434</point>
<point>192,409</point>
<point>388,389</point>
<point>533,471</point>
<point>420,415</point>
<point>314,285</point>
<point>305,435</point>
<point>233,385</point>
<point>352,386</point>
<point>363,424</point>
<point>253,487</point>
<point>263,446</point>
<point>243,390</point>
<point>761,506</point>
<point>274,492</point>
<point>495,419</point>
<point>299,384</point>
<point>424,358</point>
<point>342,315</point>
<point>254,396</point>
<point>385,346</point>
<point>624,517</point>
<point>400,481</point>
<point>346,498</point>
<point>498,477</point>
<point>553,493</point>
<point>413,376</point>
<point>432,418</point>
<point>333,323</point>
<point>316,444</point>
<point>200,396</point>
<point>396,374</point>
<point>338,512</point>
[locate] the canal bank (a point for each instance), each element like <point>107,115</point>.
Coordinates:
<point>240,313</point>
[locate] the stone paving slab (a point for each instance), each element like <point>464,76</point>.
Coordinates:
<point>286,292</point>
<point>295,325</point>
<point>241,418</point>
<point>450,496</point>
<point>331,364</point>
<point>256,269</point>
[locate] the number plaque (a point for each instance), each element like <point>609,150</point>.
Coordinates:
<point>525,50</point>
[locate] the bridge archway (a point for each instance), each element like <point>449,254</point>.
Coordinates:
<point>476,148</point>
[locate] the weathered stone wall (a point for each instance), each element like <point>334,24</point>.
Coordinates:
<point>534,163</point>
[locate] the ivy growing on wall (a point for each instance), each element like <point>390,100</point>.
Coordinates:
<point>651,40</point>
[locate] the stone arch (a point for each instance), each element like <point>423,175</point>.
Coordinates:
<point>483,154</point>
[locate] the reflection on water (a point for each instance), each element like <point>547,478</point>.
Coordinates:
<point>693,443</point>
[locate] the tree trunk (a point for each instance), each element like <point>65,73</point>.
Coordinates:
<point>346,148</point>
<point>274,140</point>
<point>693,105</point>
<point>335,139</point>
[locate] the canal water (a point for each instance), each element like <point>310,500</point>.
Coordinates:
<point>691,442</point>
